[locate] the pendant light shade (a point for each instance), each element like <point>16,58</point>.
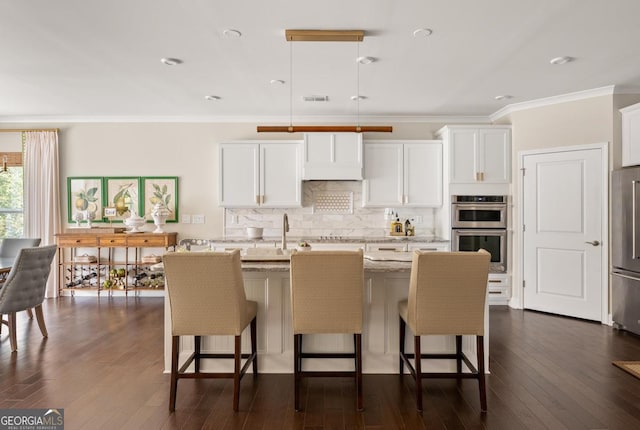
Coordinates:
<point>323,36</point>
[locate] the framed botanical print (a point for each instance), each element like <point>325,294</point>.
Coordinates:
<point>162,190</point>
<point>123,194</point>
<point>84,198</point>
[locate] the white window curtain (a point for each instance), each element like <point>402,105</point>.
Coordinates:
<point>42,192</point>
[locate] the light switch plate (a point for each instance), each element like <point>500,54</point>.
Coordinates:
<point>185,219</point>
<point>197,219</point>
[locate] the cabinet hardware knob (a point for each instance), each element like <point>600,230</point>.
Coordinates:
<point>77,240</point>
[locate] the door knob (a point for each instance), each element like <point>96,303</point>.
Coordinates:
<point>594,243</point>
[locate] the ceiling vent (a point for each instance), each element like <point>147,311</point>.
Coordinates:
<point>315,98</point>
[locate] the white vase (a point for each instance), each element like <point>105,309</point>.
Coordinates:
<point>160,215</point>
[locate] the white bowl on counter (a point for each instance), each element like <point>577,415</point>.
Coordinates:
<point>254,232</point>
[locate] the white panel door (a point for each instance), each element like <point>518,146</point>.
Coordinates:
<point>423,174</point>
<point>382,185</point>
<point>563,232</point>
<point>280,181</point>
<point>494,155</point>
<point>238,184</point>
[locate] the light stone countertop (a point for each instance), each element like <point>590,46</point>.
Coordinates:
<point>335,239</point>
<point>369,266</point>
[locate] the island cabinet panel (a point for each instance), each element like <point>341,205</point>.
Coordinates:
<point>269,285</point>
<point>109,262</point>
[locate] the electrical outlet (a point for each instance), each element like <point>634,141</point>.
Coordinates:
<point>197,219</point>
<point>234,219</point>
<point>417,219</point>
<point>185,219</point>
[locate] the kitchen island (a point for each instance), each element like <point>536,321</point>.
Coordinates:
<point>386,283</point>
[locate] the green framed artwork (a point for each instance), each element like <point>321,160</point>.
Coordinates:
<point>123,194</point>
<point>161,190</point>
<point>84,198</point>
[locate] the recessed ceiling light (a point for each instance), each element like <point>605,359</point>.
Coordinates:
<point>231,33</point>
<point>276,82</point>
<point>354,98</point>
<point>422,32</point>
<point>365,60</point>
<point>561,60</point>
<point>170,61</point>
<point>210,97</point>
<point>503,97</point>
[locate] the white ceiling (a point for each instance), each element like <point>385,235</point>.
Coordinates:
<point>100,59</point>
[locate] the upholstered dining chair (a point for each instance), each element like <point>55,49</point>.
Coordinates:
<point>447,295</point>
<point>207,298</point>
<point>327,297</point>
<point>25,287</point>
<point>9,248</point>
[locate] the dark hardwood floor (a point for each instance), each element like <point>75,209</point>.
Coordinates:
<point>103,364</point>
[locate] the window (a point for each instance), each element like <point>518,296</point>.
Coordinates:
<point>11,196</point>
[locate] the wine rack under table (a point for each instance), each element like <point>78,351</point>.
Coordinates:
<point>87,259</point>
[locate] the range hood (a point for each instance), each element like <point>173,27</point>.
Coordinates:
<point>332,157</point>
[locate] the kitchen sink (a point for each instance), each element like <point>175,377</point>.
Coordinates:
<point>266,254</point>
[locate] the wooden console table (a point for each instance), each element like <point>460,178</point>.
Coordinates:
<point>87,259</point>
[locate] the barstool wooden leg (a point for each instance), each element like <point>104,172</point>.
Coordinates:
<point>481,380</point>
<point>358,348</point>
<point>30,314</point>
<point>236,373</point>
<point>254,345</point>
<point>459,354</point>
<point>403,330</point>
<point>175,346</point>
<point>297,343</point>
<point>197,342</point>
<point>418,369</point>
<point>40,319</point>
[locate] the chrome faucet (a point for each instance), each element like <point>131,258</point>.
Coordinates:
<point>285,229</point>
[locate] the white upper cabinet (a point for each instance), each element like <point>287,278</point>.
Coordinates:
<point>631,135</point>
<point>332,156</point>
<point>400,173</point>
<point>265,174</point>
<point>478,154</point>
<point>423,174</point>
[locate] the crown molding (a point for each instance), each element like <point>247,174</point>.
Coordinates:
<point>311,119</point>
<point>549,101</point>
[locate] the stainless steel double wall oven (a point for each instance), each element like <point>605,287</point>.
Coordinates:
<point>481,222</point>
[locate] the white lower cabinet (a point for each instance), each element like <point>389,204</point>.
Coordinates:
<point>499,288</point>
<point>386,246</point>
<point>429,246</point>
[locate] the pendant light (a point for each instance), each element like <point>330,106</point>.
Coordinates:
<point>322,36</point>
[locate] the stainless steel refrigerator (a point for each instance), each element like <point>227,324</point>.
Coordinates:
<point>625,248</point>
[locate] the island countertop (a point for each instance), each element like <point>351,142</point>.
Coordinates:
<point>369,266</point>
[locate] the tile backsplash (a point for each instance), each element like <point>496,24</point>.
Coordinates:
<point>330,208</point>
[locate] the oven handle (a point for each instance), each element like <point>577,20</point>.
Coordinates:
<point>490,207</point>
